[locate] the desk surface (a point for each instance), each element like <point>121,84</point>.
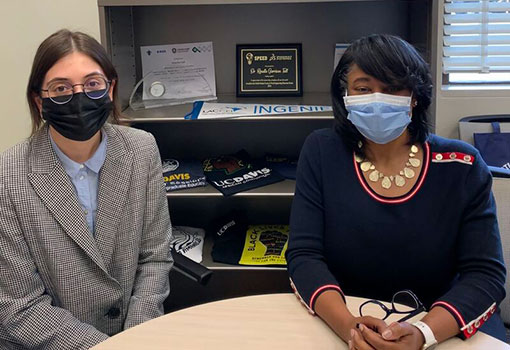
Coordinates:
<point>255,322</point>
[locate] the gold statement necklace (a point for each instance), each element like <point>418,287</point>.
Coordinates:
<point>399,179</point>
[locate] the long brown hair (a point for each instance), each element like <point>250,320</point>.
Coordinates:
<point>55,47</point>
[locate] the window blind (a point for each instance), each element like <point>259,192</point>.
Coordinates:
<point>476,36</point>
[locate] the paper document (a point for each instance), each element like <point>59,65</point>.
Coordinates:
<point>339,51</point>
<point>178,72</point>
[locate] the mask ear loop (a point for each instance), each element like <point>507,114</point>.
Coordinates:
<point>345,95</point>
<point>360,143</point>
<point>413,104</point>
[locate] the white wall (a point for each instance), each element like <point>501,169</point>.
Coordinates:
<point>453,105</point>
<point>24,24</point>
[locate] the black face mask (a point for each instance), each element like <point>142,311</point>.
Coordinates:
<point>78,119</point>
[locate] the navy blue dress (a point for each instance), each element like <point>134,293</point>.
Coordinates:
<point>440,240</point>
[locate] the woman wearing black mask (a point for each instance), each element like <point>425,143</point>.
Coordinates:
<point>84,222</point>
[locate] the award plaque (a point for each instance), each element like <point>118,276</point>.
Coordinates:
<point>269,70</point>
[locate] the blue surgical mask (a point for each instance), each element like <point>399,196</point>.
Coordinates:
<point>381,118</point>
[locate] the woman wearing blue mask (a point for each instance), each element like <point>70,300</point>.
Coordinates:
<point>382,205</point>
<point>84,222</point>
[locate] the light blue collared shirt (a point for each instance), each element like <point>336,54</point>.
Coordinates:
<point>85,178</point>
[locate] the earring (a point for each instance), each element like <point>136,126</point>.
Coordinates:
<point>360,144</point>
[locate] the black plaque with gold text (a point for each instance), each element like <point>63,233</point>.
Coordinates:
<point>269,70</point>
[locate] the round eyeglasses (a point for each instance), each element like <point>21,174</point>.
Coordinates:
<point>62,91</point>
<point>403,302</point>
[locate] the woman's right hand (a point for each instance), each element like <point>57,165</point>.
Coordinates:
<point>331,307</point>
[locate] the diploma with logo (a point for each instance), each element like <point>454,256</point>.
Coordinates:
<point>269,70</point>
<point>181,73</point>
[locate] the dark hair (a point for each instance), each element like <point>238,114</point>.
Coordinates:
<point>55,47</point>
<point>393,61</point>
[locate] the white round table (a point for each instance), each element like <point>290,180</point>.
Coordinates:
<point>276,321</point>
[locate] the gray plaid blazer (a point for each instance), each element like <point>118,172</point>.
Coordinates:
<point>61,288</point>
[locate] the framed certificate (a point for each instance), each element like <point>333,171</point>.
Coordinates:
<point>269,70</point>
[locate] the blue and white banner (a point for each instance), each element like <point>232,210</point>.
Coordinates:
<point>205,110</point>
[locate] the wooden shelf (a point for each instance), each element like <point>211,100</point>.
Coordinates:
<point>280,189</point>
<point>177,113</point>
<point>208,2</point>
<point>209,263</point>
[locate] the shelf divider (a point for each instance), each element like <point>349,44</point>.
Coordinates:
<point>280,189</point>
<point>176,113</point>
<point>206,2</point>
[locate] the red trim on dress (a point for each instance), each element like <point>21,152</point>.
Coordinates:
<point>400,199</point>
<point>298,296</point>
<point>465,330</point>
<point>452,309</point>
<point>322,289</point>
<point>448,157</point>
<point>469,329</point>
